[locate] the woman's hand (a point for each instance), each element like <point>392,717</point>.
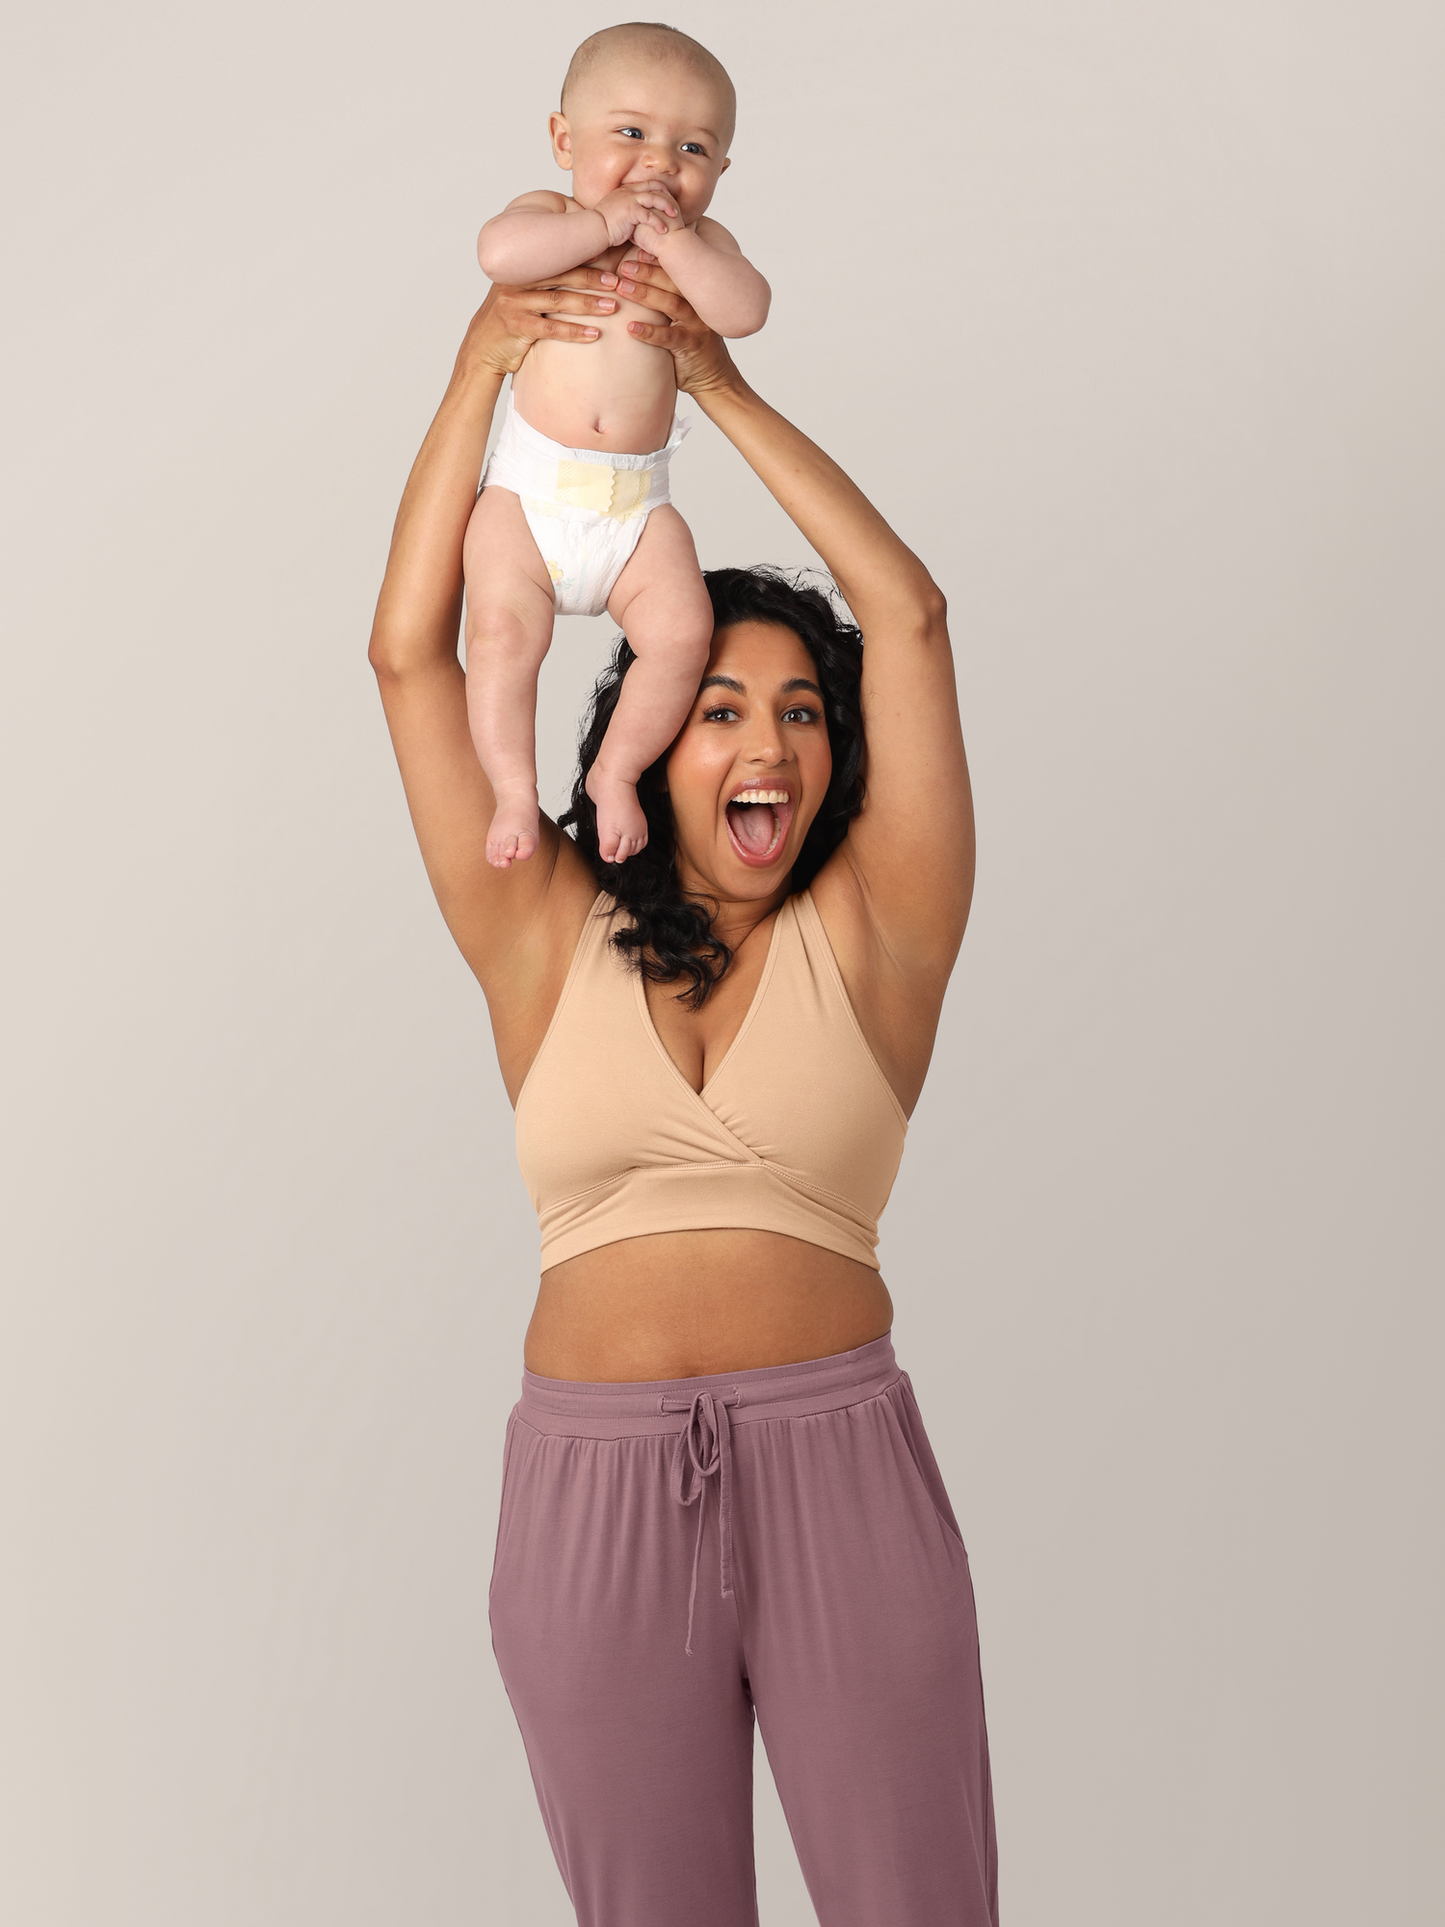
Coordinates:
<point>510,319</point>
<point>701,357</point>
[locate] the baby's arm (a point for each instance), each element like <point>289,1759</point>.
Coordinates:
<point>708,268</point>
<point>539,234</point>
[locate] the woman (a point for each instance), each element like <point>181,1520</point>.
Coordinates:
<point>718,1494</point>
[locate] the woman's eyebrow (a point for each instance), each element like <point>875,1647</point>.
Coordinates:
<point>801,682</point>
<point>724,682</point>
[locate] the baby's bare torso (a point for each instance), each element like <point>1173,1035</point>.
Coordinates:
<point>615,394</point>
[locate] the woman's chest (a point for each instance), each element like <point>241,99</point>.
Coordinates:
<point>771,1070</point>
<point>698,1041</point>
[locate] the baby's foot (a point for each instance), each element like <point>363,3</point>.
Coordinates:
<point>621,825</point>
<point>512,837</point>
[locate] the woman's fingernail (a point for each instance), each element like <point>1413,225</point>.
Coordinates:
<point>627,287</point>
<point>592,331</point>
<point>606,306</point>
<point>609,280</point>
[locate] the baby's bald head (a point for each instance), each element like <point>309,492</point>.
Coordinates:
<point>651,43</point>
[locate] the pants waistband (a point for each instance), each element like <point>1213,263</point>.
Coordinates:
<point>571,1408</point>
<point>702,1413</point>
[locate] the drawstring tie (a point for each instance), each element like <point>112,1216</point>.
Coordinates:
<point>703,1452</point>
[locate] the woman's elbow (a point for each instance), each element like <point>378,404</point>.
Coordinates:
<point>382,654</point>
<point>928,608</point>
<point>392,652</point>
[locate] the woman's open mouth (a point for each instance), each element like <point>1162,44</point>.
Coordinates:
<point>758,821</point>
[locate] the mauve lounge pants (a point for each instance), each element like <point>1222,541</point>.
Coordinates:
<point>790,1528</point>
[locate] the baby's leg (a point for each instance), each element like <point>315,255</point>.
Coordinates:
<point>661,605</point>
<point>509,628</point>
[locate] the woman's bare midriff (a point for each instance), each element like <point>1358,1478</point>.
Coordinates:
<point>687,1304</point>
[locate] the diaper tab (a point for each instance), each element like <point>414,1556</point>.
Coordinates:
<point>615,492</point>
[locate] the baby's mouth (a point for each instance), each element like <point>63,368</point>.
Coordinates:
<point>758,821</point>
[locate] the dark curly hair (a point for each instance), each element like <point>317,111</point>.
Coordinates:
<point>671,938</point>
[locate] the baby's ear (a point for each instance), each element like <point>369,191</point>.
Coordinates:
<point>725,166</point>
<point>561,140</point>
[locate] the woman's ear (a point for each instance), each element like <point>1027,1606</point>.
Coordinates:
<point>561,140</point>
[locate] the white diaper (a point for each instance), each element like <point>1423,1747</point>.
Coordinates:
<point>586,510</point>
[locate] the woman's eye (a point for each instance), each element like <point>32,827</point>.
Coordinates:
<point>719,715</point>
<point>802,715</point>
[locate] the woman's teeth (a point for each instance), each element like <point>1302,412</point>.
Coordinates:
<point>759,796</point>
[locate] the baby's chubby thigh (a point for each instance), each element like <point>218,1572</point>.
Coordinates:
<point>510,597</point>
<point>660,599</point>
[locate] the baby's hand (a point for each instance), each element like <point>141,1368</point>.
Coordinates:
<point>637,211</point>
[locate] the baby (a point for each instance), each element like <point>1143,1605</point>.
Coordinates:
<point>574,513</point>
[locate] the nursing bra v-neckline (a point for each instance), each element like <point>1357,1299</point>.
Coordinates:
<point>796,1130</point>
<point>649,1022</point>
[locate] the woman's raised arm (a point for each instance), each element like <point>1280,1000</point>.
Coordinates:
<point>911,850</point>
<point>492,914</point>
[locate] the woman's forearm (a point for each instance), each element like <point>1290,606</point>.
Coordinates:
<point>420,602</point>
<point>873,569</point>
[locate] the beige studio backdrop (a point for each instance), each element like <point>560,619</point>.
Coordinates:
<point>1129,316</point>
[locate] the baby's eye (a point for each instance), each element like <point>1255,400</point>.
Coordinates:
<point>692,147</point>
<point>632,133</point>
